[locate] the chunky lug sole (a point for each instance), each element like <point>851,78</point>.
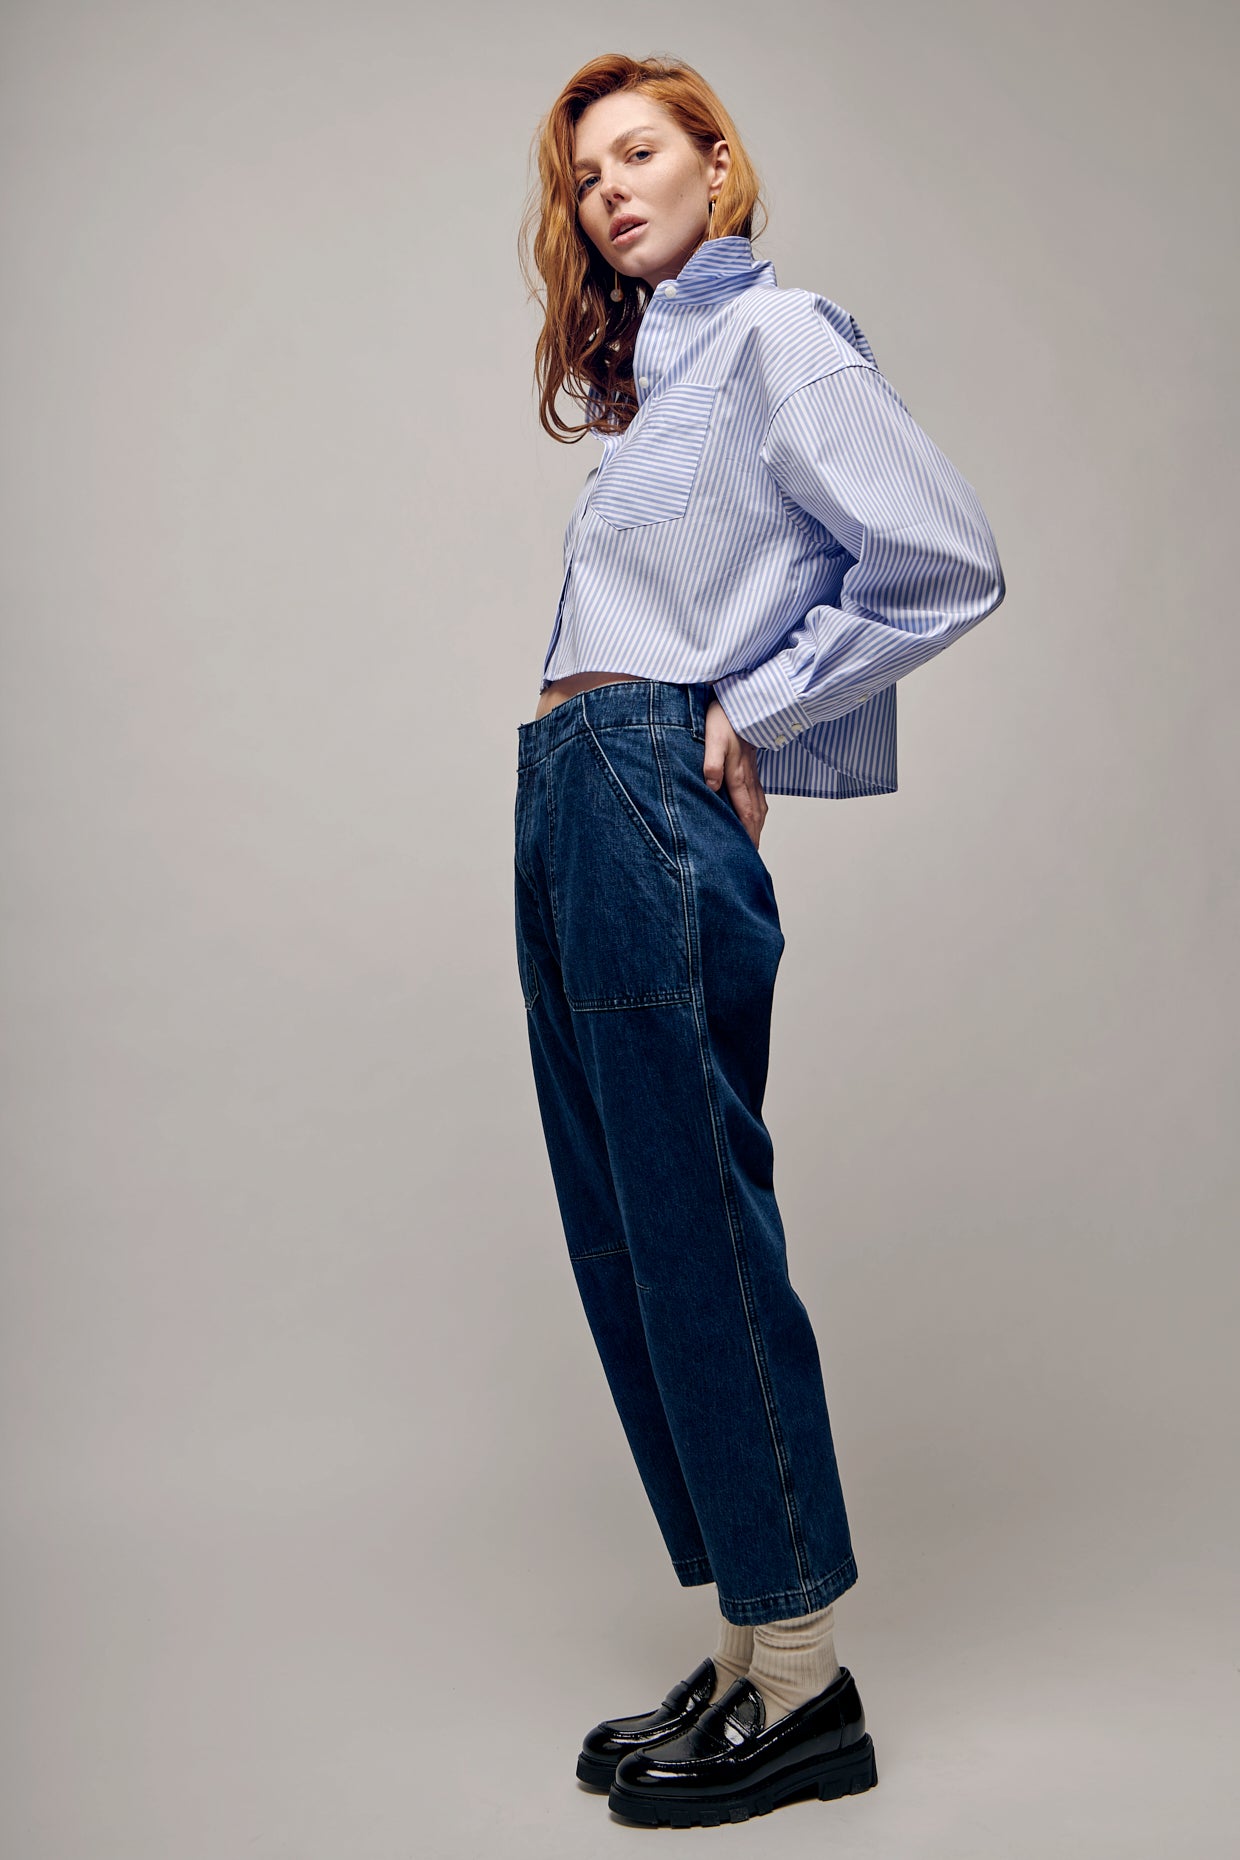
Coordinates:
<point>844,1772</point>
<point>594,1771</point>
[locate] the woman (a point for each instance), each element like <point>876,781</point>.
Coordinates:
<point>768,543</point>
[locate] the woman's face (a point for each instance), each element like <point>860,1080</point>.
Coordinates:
<point>634,162</point>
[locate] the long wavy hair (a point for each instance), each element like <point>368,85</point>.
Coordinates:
<point>586,343</point>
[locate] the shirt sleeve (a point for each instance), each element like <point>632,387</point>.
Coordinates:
<point>845,449</point>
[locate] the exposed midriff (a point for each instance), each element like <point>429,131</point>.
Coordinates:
<point>561,688</point>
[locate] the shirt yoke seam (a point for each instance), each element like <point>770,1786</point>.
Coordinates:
<point>824,374</point>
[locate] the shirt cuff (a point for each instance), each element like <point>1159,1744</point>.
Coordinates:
<point>761,704</point>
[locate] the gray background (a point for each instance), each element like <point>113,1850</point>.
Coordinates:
<point>320,1536</point>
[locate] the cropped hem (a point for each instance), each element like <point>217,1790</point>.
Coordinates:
<point>693,1570</point>
<point>855,791</point>
<point>745,1611</point>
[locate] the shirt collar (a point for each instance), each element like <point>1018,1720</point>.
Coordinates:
<point>719,269</point>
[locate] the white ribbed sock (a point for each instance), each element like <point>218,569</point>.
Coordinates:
<point>793,1660</point>
<point>731,1655</point>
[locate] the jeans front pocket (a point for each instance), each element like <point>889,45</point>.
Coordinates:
<point>617,886</point>
<point>632,789</point>
<point>649,476</point>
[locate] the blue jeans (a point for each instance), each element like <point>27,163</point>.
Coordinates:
<point>648,940</point>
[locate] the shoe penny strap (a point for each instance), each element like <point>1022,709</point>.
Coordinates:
<point>738,1713</point>
<point>701,1682</point>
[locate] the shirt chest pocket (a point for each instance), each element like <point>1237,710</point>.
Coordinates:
<point>648,477</point>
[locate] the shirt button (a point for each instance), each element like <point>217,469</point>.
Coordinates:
<point>781,739</point>
<point>643,381</point>
<point>669,290</point>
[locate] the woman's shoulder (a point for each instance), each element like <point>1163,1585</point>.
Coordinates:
<point>793,335</point>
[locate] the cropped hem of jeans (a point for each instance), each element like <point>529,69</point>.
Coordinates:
<point>693,1569</point>
<point>782,1606</point>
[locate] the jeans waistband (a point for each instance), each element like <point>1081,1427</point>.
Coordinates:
<point>628,701</point>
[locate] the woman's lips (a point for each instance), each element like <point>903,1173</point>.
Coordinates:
<point>626,238</point>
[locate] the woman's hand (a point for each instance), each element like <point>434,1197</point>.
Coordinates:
<point>730,759</point>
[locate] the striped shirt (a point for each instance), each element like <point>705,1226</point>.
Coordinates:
<point>774,523</point>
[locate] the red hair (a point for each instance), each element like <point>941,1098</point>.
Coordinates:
<point>586,343</point>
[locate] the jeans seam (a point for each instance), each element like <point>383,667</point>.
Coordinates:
<point>627,1004</point>
<point>551,884</point>
<point>755,1341</point>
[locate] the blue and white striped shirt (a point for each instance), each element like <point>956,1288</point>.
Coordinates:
<point>775,523</point>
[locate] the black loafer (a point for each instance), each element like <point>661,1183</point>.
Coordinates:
<point>604,1746</point>
<point>730,1764</point>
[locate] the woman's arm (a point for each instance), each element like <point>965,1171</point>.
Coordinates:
<point>845,450</point>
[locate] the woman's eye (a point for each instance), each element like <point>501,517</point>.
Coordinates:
<point>581,186</point>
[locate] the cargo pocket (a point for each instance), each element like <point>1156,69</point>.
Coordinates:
<point>649,476</point>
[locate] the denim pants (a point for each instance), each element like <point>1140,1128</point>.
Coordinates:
<point>648,940</point>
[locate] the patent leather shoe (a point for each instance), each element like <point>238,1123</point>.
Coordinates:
<point>731,1764</point>
<point>614,1738</point>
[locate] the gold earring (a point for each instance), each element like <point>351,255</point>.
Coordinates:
<point>617,295</point>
